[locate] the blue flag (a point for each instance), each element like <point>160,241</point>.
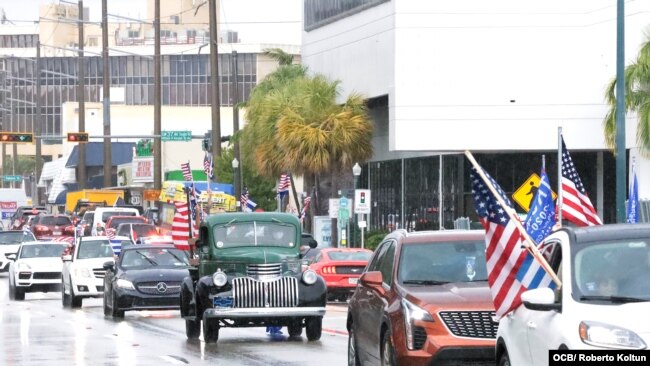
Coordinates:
<point>541,217</point>
<point>632,213</point>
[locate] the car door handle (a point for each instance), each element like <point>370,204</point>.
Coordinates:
<point>532,325</point>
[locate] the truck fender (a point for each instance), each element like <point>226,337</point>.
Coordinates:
<point>188,300</point>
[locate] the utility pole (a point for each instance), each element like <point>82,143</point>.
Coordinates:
<point>81,166</point>
<point>235,123</point>
<point>108,160</point>
<point>214,81</point>
<point>157,166</point>
<point>621,163</point>
<point>37,126</point>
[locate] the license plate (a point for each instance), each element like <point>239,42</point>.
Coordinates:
<point>56,233</point>
<point>222,302</point>
<point>353,281</point>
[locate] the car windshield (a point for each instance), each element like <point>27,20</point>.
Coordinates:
<point>55,221</point>
<point>15,237</point>
<point>42,250</point>
<point>437,263</point>
<point>344,255</point>
<point>144,230</point>
<point>94,249</point>
<point>614,271</point>
<point>116,221</point>
<point>107,215</point>
<point>153,257</point>
<point>238,234</point>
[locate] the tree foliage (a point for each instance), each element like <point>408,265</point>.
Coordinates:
<point>637,100</point>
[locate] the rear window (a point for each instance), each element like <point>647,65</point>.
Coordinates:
<point>15,237</point>
<point>107,215</point>
<point>89,216</point>
<point>115,222</point>
<point>55,220</point>
<point>349,256</point>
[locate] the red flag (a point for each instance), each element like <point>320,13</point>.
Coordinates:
<point>576,206</point>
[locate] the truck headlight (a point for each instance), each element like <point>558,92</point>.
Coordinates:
<point>413,312</point>
<point>609,336</point>
<point>128,285</point>
<point>219,278</point>
<point>309,277</point>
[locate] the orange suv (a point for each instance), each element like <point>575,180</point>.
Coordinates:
<point>424,299</point>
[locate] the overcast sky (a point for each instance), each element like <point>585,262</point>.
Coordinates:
<point>257,21</point>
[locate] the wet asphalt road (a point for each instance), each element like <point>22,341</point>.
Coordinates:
<point>39,331</point>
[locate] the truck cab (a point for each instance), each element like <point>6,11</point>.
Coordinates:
<point>249,274</point>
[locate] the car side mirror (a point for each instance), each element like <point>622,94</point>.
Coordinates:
<point>109,266</point>
<point>374,280</point>
<point>540,299</point>
<point>313,243</point>
<point>66,258</point>
<point>11,256</point>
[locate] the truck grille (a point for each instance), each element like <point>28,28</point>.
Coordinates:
<point>251,293</point>
<point>264,271</point>
<point>472,324</point>
<point>99,272</point>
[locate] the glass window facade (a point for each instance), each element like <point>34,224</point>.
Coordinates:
<point>318,13</point>
<point>185,82</point>
<point>18,40</point>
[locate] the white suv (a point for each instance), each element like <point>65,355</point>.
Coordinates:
<point>603,303</point>
<point>9,243</point>
<point>83,273</point>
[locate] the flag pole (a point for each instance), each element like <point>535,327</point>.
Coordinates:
<point>559,177</point>
<point>532,249</point>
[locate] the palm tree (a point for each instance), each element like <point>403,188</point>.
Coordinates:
<point>637,99</point>
<point>296,124</point>
<point>279,55</point>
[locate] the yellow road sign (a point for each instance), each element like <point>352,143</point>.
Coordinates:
<point>526,192</point>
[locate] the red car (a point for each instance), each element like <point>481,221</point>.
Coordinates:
<point>341,269</point>
<point>115,221</point>
<point>52,226</point>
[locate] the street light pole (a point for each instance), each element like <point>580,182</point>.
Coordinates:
<point>215,103</point>
<point>235,178</point>
<point>38,125</point>
<point>356,172</point>
<point>235,120</point>
<point>106,102</point>
<point>82,102</point>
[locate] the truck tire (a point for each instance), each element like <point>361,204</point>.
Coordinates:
<point>314,327</point>
<point>192,329</point>
<point>210,330</point>
<point>295,328</point>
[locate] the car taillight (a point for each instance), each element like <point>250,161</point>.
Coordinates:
<point>329,270</point>
<point>41,228</point>
<point>69,229</point>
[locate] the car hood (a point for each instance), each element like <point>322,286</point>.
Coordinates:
<point>92,262</point>
<point>462,295</point>
<point>9,248</point>
<point>155,274</point>
<point>257,255</point>
<point>52,264</point>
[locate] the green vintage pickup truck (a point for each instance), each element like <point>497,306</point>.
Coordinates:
<point>249,275</point>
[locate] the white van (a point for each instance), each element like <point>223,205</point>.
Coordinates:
<point>102,214</point>
<point>10,200</point>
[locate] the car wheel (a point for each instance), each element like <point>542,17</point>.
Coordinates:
<point>65,299</point>
<point>210,330</point>
<point>107,310</point>
<point>19,294</point>
<point>115,312</point>
<point>76,301</point>
<point>353,357</point>
<point>295,328</point>
<point>314,327</point>
<point>192,329</point>
<point>387,351</point>
<point>12,291</point>
<point>504,360</point>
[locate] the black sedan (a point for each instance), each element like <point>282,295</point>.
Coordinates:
<point>144,277</point>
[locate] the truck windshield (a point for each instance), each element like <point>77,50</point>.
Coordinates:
<point>254,233</point>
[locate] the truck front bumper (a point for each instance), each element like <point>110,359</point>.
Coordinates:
<point>235,313</point>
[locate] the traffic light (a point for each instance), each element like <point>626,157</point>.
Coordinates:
<point>207,140</point>
<point>362,197</point>
<point>77,136</point>
<point>16,137</point>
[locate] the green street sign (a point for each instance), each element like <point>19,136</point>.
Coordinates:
<point>176,136</point>
<point>12,178</point>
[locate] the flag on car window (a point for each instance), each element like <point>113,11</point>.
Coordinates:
<point>632,210</point>
<point>576,206</point>
<point>505,253</point>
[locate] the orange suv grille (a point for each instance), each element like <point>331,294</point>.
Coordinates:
<point>471,324</point>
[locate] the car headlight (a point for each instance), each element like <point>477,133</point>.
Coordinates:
<point>219,278</point>
<point>23,267</point>
<point>413,312</point>
<point>82,272</point>
<point>309,277</point>
<point>124,284</point>
<point>609,336</point>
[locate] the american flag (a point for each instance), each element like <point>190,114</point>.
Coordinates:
<point>110,233</point>
<point>305,207</point>
<point>193,201</point>
<point>284,184</point>
<point>576,206</point>
<point>208,165</point>
<point>65,239</point>
<point>187,172</point>
<point>509,272</point>
<point>246,203</point>
<point>180,226</point>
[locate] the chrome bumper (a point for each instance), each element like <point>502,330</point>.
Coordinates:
<point>232,313</point>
